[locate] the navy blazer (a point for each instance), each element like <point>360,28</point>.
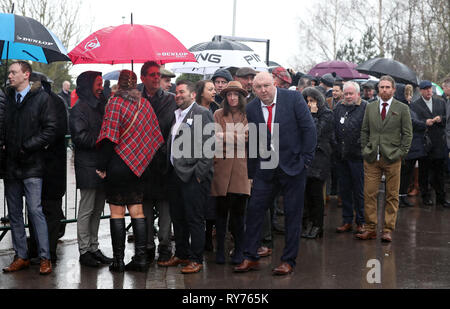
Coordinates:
<point>297,134</point>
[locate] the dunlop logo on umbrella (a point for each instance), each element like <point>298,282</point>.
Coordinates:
<point>172,54</point>
<point>91,45</point>
<point>33,41</point>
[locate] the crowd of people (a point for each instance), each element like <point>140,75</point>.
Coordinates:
<point>184,153</point>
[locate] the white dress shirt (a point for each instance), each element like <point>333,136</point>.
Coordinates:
<point>429,103</point>
<point>266,111</point>
<point>180,114</point>
<point>389,102</point>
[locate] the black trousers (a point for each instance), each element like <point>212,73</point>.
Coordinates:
<point>53,213</point>
<point>406,175</point>
<point>435,167</point>
<point>188,210</point>
<point>314,203</point>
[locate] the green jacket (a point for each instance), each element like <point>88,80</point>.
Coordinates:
<point>392,136</point>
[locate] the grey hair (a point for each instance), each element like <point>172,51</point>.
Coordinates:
<point>353,84</point>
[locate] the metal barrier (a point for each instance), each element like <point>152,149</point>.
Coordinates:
<point>4,221</point>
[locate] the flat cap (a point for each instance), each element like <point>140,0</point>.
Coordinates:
<point>425,84</point>
<point>242,72</point>
<point>166,73</point>
<point>282,74</point>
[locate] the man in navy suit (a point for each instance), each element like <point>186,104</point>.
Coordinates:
<point>291,140</point>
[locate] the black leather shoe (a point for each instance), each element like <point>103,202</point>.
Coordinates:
<point>427,201</point>
<point>405,202</point>
<point>444,203</point>
<point>99,256</point>
<point>315,233</point>
<point>87,259</point>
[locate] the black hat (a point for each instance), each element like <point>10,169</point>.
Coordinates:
<point>327,79</point>
<point>222,73</point>
<point>425,84</point>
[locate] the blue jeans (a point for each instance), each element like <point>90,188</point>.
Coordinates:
<point>351,190</point>
<point>31,188</point>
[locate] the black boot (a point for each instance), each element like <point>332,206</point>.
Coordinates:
<point>315,232</point>
<point>139,260</point>
<point>405,202</point>
<point>238,226</point>
<point>306,229</point>
<point>117,227</point>
<point>208,235</point>
<point>221,229</point>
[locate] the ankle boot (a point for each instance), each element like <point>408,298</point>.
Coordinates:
<point>306,229</point>
<point>117,228</point>
<point>221,228</point>
<point>139,260</point>
<point>238,255</point>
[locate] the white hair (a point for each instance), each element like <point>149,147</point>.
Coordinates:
<point>352,84</point>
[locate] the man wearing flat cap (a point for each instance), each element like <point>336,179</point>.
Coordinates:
<point>431,111</point>
<point>327,81</point>
<point>281,77</point>
<point>166,77</point>
<point>245,76</point>
<point>368,92</point>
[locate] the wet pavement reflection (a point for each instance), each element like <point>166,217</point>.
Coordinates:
<point>418,257</point>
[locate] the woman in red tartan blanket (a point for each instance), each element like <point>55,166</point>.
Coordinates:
<point>128,140</point>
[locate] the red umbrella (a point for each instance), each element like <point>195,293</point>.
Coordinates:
<point>344,69</point>
<point>130,44</point>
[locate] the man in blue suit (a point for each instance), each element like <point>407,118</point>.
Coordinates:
<point>291,140</point>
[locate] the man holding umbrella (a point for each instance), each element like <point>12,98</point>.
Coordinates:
<point>30,127</point>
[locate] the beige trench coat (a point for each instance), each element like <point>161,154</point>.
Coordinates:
<point>230,172</point>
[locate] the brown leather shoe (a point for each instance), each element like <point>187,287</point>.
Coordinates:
<point>16,265</point>
<point>386,237</point>
<point>192,268</point>
<point>246,265</point>
<point>366,235</point>
<point>46,267</point>
<point>345,228</point>
<point>283,269</point>
<point>264,251</point>
<point>173,261</point>
<point>360,229</point>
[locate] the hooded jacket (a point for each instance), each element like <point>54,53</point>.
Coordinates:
<point>323,119</point>
<point>85,123</point>
<point>30,127</point>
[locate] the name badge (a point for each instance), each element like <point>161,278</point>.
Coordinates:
<point>189,121</point>
<point>342,120</point>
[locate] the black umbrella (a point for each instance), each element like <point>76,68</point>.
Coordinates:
<point>383,66</point>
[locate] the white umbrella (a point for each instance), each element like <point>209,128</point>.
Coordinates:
<point>215,55</point>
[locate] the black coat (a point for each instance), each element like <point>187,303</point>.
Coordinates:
<point>321,165</point>
<point>156,175</point>
<point>348,134</point>
<point>437,131</point>
<point>85,124</point>
<point>417,149</point>
<point>2,137</point>
<point>30,127</point>
<point>65,97</point>
<point>54,182</point>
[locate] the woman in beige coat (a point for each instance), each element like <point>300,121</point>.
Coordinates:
<point>230,184</point>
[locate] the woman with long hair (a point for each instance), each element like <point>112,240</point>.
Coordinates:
<point>129,138</point>
<point>230,184</point>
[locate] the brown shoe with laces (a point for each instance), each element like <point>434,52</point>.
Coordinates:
<point>16,265</point>
<point>46,267</point>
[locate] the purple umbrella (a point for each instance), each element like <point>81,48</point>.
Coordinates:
<point>344,69</point>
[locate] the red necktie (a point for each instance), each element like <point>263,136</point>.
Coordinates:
<point>383,111</point>
<point>269,119</point>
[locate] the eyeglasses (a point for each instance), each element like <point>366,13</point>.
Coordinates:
<point>158,74</point>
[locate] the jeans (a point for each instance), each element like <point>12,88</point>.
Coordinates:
<point>31,188</point>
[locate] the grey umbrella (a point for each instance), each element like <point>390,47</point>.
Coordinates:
<point>383,66</point>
